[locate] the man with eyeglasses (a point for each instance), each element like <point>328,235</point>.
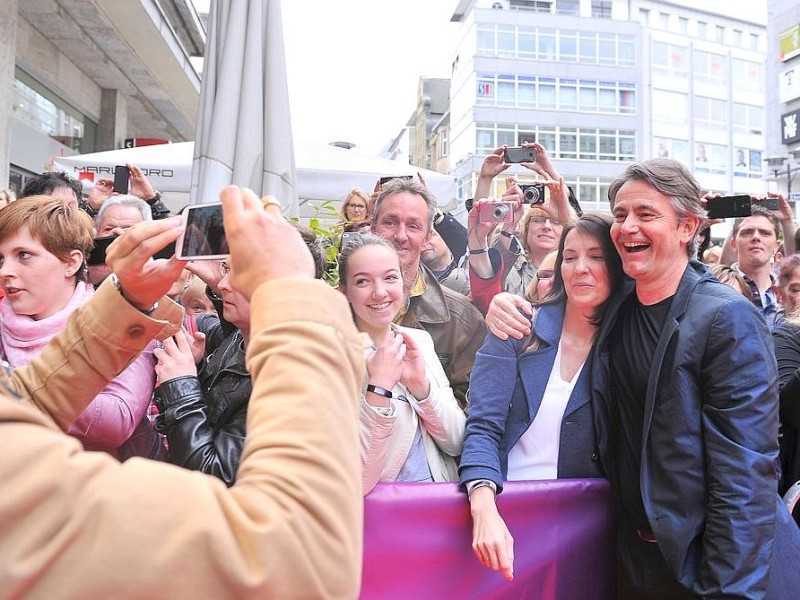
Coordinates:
<point>203,387</point>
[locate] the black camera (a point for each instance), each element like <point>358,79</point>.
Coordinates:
<point>533,193</point>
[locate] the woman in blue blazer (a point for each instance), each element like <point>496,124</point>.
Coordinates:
<point>529,410</point>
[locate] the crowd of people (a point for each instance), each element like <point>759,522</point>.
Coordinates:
<point>533,343</point>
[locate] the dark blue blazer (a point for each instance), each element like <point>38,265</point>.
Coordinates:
<point>709,443</point>
<point>505,391</point>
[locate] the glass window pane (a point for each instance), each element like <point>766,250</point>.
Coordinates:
<point>505,138</point>
<point>486,41</point>
<point>568,99</point>
<point>547,44</point>
<point>546,97</point>
<point>568,46</point>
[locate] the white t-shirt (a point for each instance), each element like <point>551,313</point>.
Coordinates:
<point>535,455</point>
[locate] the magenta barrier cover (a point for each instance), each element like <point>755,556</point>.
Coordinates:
<point>417,542</point>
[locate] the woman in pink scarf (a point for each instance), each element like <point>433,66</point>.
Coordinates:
<point>43,246</point>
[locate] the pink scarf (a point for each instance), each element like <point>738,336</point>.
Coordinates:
<point>22,338</point>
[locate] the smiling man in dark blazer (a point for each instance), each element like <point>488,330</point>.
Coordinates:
<point>686,407</point>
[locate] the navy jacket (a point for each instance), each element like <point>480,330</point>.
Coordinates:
<point>505,392</point>
<point>710,443</point>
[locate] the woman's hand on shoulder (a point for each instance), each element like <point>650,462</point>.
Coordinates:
<point>504,319</point>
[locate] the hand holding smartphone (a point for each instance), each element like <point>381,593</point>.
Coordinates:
<point>203,236</point>
<point>728,206</point>
<point>121,179</point>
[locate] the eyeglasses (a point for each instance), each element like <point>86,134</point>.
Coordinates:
<point>541,220</point>
<point>545,274</point>
<point>358,206</point>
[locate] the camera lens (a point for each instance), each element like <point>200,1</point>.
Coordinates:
<point>500,212</point>
<point>531,195</point>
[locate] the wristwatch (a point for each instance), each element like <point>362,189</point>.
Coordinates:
<point>155,199</point>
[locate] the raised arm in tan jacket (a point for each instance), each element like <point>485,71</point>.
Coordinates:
<point>76,524</point>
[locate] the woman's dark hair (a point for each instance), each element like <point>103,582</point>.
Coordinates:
<point>598,227</point>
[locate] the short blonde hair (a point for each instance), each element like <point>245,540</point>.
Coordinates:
<point>59,227</point>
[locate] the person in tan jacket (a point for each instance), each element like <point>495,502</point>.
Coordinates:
<point>77,524</point>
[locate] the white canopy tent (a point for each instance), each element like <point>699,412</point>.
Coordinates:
<point>324,172</point>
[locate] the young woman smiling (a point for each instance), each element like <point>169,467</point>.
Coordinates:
<point>411,426</point>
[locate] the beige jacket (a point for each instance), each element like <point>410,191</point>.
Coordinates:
<point>386,440</point>
<point>76,524</point>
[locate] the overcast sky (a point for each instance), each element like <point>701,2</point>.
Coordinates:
<point>354,65</point>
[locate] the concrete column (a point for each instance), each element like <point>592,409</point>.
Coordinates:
<point>113,126</point>
<point>8,52</point>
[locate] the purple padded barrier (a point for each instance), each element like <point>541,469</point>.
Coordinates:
<point>417,542</point>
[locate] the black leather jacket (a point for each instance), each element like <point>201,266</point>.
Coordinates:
<point>205,417</point>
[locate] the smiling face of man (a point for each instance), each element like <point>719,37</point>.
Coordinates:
<point>650,238</point>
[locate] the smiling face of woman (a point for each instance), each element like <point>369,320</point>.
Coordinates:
<point>584,271</point>
<point>374,287</point>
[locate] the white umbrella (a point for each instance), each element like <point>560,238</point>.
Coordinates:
<point>244,133</point>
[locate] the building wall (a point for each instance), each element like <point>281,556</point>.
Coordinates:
<point>783,97</point>
<point>639,104</point>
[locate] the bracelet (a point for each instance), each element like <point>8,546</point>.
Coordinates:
<point>478,251</point>
<point>155,199</point>
<point>474,485</point>
<point>507,234</point>
<point>115,281</point>
<point>376,389</point>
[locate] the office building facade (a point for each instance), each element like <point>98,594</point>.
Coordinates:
<point>601,84</point>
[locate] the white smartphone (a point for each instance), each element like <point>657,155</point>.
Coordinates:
<point>203,236</point>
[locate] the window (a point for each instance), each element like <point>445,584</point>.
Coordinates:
<point>709,67</point>
<point>737,37</point>
<point>568,94</point>
<point>44,111</point>
<point>747,118</point>
<point>683,25</point>
<point>550,93</point>
<point>709,112</point>
<point>747,74</point>
<point>663,20</point>
<point>670,59</point>
<point>719,34</point>
<point>754,41</point>
<point>568,45</point>
<point>547,44</point>
<point>526,92</point>
<point>443,145</point>
<point>568,143</point>
<point>644,17</point>
<point>485,40</point>
<point>547,93</point>
<point>568,7</point>
<point>702,29</point>
<point>526,42</point>
<point>561,142</point>
<point>588,144</point>
<point>601,9</point>
<point>506,41</point>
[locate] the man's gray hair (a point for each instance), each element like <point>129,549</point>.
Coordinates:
<point>399,185</point>
<point>672,179</point>
<point>125,200</point>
